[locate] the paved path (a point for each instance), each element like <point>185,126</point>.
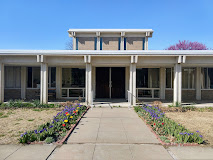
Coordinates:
<point>115,134</point>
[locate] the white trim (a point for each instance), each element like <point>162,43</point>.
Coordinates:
<point>108,52</point>
<point>110,30</point>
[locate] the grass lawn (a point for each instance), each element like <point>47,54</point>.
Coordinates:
<point>14,122</point>
<point>195,121</point>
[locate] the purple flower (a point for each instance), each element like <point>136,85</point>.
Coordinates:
<point>181,133</point>
<point>21,135</point>
<point>51,127</point>
<point>200,136</point>
<point>197,131</point>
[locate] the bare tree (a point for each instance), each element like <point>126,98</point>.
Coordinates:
<point>69,45</point>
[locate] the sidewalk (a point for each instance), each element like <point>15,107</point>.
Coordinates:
<point>116,133</point>
<point>106,134</point>
<point>27,152</point>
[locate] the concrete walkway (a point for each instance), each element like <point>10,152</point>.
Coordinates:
<point>27,152</point>
<point>107,134</point>
<point>116,133</point>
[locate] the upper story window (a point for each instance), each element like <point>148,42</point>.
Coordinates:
<point>134,43</point>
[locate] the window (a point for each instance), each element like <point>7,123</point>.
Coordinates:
<point>119,43</point>
<point>188,78</point>
<point>52,77</point>
<point>143,44</point>
<point>95,47</point>
<point>124,43</point>
<point>147,78</point>
<point>12,77</point>
<point>207,78</point>
<point>169,77</point>
<point>73,77</point>
<point>101,40</point>
<point>147,82</point>
<point>33,77</point>
<point>76,43</point>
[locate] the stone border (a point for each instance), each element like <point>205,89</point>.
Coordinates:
<point>167,144</point>
<point>60,142</point>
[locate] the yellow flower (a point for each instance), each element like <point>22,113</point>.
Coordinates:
<point>76,110</point>
<point>78,107</point>
<point>71,117</point>
<point>65,120</point>
<point>67,114</point>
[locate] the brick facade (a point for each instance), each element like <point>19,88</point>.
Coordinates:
<point>134,43</point>
<point>86,43</point>
<point>32,94</point>
<point>169,95</point>
<point>207,94</point>
<point>187,95</point>
<point>12,94</point>
<point>110,43</point>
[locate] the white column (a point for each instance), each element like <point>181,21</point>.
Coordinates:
<point>146,43</point>
<point>23,82</point>
<point>134,84</point>
<point>162,82</point>
<point>88,83</point>
<point>74,43</point>
<point>122,43</point>
<point>179,83</point>
<point>1,82</point>
<point>130,81</point>
<point>177,91</point>
<point>58,82</point>
<point>44,83</point>
<point>98,43</point>
<point>198,83</point>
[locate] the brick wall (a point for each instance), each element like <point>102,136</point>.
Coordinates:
<point>110,43</point>
<point>32,94</point>
<point>207,94</point>
<point>169,95</point>
<point>86,43</point>
<point>187,95</point>
<point>134,43</point>
<point>12,94</point>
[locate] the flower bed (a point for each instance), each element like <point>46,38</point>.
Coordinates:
<point>57,128</point>
<point>168,130</point>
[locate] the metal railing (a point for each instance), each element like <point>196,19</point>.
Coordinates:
<point>151,93</point>
<point>68,92</point>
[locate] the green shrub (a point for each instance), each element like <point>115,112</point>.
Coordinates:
<point>55,129</point>
<point>166,127</point>
<point>49,140</point>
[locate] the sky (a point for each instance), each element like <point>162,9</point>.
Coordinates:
<point>43,24</point>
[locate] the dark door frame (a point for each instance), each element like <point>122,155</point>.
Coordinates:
<point>110,83</point>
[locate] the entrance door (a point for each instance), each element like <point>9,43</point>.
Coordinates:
<point>102,82</point>
<point>110,82</point>
<point>118,82</point>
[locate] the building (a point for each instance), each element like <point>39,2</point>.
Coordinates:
<point>107,63</point>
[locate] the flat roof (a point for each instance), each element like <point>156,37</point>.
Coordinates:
<point>108,52</point>
<point>110,30</point>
